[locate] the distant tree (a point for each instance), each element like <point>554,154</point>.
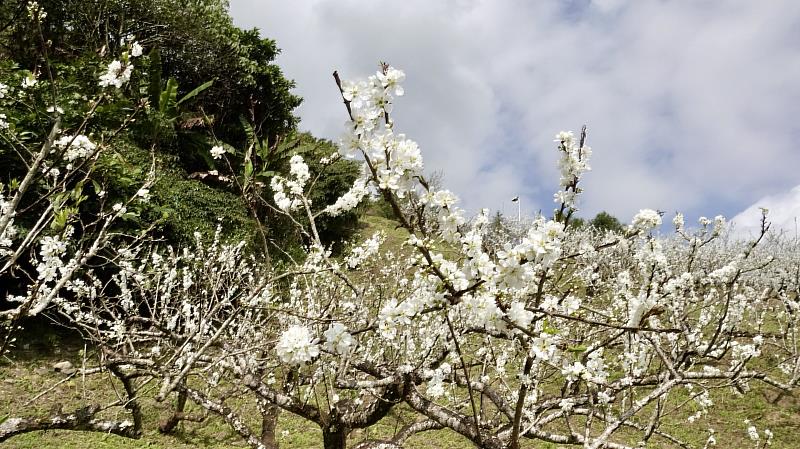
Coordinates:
<point>577,222</point>
<point>606,222</point>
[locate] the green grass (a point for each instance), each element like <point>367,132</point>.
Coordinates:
<point>395,235</point>
<point>21,382</point>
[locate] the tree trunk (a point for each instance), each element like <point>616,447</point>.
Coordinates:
<point>269,422</point>
<point>334,437</point>
<point>168,425</point>
<point>133,403</point>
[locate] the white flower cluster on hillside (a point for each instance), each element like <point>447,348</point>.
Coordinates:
<point>118,72</point>
<point>288,192</point>
<point>75,147</point>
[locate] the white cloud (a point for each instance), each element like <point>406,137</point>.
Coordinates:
<point>691,106</point>
<point>784,214</point>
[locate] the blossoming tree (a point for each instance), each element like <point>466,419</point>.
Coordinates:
<point>53,186</point>
<point>556,334</point>
<point>48,248</point>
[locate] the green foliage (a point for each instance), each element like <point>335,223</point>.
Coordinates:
<point>167,100</point>
<point>338,178</point>
<point>262,161</point>
<point>178,207</point>
<point>381,208</point>
<point>606,222</point>
<point>187,207</point>
<point>171,117</point>
<point>190,41</point>
<point>201,82</point>
<point>577,222</point>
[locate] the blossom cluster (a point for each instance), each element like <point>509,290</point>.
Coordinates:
<point>349,200</point>
<point>573,163</point>
<point>647,220</point>
<point>288,192</point>
<point>75,147</point>
<point>394,159</point>
<point>362,252</point>
<point>51,250</point>
<point>337,339</point>
<point>297,346</point>
<point>217,151</point>
<point>118,72</point>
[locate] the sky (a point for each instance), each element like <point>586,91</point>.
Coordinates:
<point>691,105</point>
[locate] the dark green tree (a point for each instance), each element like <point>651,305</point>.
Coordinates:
<point>201,82</point>
<point>604,221</point>
<point>577,222</point>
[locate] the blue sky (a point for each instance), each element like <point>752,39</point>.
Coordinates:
<point>691,105</point>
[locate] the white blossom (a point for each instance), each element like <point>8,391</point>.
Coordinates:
<point>297,346</point>
<point>136,49</point>
<point>337,339</point>
<point>76,147</point>
<point>29,81</point>
<point>144,194</point>
<point>217,151</point>
<point>117,74</point>
<point>646,220</point>
<point>349,200</point>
